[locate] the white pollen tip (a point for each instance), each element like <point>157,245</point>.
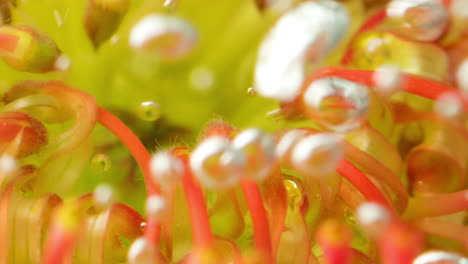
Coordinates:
<point>7,164</point>
<point>156,205</point>
<point>370,213</point>
<point>448,105</point>
<point>387,78</point>
<point>103,194</point>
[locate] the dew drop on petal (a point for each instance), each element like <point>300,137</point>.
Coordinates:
<point>101,162</point>
<point>202,78</point>
<point>337,104</point>
<point>259,151</point>
<point>216,164</point>
<point>448,105</point>
<point>103,195</point>
<point>251,91</point>
<point>317,154</point>
<point>167,37</point>
<point>387,79</point>
<point>301,37</point>
<point>422,20</point>
<point>140,252</point>
<point>439,256</point>
<point>149,111</point>
<point>156,206</point>
<point>462,76</point>
<point>166,169</point>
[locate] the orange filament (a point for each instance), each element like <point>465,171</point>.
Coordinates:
<point>259,218</point>
<point>133,144</point>
<point>362,183</point>
<point>437,204</point>
<point>202,235</point>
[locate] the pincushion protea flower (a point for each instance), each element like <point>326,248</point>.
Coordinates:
<point>363,161</point>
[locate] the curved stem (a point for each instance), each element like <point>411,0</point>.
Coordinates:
<point>380,172</point>
<point>437,205</point>
<point>362,183</point>
<point>202,234</point>
<point>259,218</point>
<point>133,144</point>
<point>416,85</point>
<point>449,230</point>
<point>142,156</point>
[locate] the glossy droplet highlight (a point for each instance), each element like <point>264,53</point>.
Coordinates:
<point>149,111</point>
<point>318,154</point>
<point>170,5</point>
<point>216,164</point>
<point>101,162</point>
<point>335,103</point>
<point>438,256</point>
<point>423,20</point>
<point>251,91</point>
<point>287,142</point>
<point>167,37</point>
<point>301,37</point>
<point>166,169</point>
<point>258,149</point>
<point>140,252</point>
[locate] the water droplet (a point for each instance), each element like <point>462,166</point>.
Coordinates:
<point>301,37</point>
<point>216,164</point>
<point>149,111</point>
<point>62,63</point>
<point>251,91</point>
<point>101,162</point>
<point>103,195</point>
<point>156,206</point>
<point>258,149</point>
<point>418,20</point>
<point>140,252</point>
<point>166,169</point>
<point>317,154</point>
<point>448,105</point>
<point>387,79</point>
<point>439,256</point>
<point>337,104</point>
<point>167,37</point>
<point>201,78</point>
<point>170,5</point>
